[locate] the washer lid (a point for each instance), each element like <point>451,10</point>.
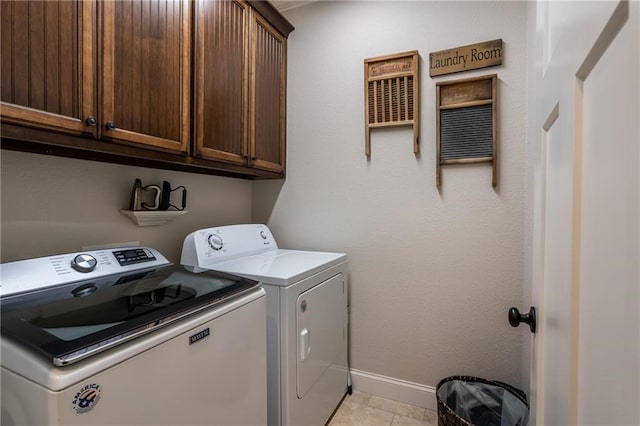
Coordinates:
<point>281,267</point>
<point>72,322</point>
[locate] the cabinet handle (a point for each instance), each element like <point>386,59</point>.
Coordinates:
<point>91,121</point>
<point>111,125</point>
<point>245,156</point>
<point>254,158</point>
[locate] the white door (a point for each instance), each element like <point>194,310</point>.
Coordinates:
<point>586,353</point>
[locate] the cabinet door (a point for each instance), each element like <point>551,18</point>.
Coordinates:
<point>268,94</point>
<point>145,73</point>
<point>221,81</point>
<point>47,55</point>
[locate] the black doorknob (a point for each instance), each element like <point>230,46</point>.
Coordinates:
<point>515,318</point>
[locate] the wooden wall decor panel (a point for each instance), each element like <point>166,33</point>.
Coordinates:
<point>221,80</point>
<point>466,124</point>
<point>392,95</point>
<point>268,89</point>
<point>466,58</point>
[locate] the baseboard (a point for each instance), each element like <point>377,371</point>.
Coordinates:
<point>394,389</point>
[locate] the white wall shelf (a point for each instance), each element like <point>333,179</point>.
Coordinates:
<point>152,217</point>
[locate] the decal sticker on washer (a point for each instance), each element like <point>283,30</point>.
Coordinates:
<point>86,398</point>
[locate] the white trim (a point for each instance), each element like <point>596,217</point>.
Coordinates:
<point>395,389</point>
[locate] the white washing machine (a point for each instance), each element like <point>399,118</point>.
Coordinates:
<point>307,371</point>
<point>121,337</point>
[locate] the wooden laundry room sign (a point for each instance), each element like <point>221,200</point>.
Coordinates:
<point>465,58</point>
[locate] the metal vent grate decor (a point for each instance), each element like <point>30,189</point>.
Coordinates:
<point>466,133</point>
<point>466,123</point>
<point>391,83</point>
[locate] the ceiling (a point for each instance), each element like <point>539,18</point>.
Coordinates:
<point>284,5</point>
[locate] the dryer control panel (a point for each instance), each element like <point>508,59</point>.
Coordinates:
<point>210,246</point>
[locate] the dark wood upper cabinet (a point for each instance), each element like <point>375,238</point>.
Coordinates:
<point>267,96</point>
<point>221,78</point>
<point>145,80</point>
<point>240,68</point>
<point>190,85</point>
<point>48,70</point>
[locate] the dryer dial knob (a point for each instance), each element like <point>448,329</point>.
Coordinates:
<point>215,242</point>
<point>84,263</point>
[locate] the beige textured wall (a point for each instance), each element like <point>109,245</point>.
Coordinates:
<point>57,205</point>
<point>432,274</point>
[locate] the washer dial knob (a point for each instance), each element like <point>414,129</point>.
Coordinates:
<point>215,242</point>
<point>84,263</point>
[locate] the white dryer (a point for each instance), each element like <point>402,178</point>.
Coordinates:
<point>306,316</point>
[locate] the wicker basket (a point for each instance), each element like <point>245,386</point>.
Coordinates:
<point>448,417</point>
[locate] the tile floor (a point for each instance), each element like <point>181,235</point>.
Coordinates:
<point>363,409</point>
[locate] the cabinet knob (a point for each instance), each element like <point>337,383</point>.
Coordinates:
<point>254,158</point>
<point>91,121</point>
<point>245,156</point>
<point>111,125</point>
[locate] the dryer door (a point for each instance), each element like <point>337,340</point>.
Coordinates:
<point>321,330</point>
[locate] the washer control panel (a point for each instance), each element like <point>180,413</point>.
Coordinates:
<point>38,273</point>
<point>84,263</point>
<point>131,256</point>
<point>206,247</point>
